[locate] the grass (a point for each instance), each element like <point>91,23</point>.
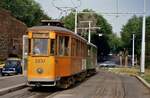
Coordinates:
<point>131,71</point>
<point>146,76</point>
<point>1,62</point>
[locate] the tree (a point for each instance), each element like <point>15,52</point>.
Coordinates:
<point>115,43</point>
<point>134,25</point>
<point>97,20</point>
<point>27,11</point>
<point>147,42</point>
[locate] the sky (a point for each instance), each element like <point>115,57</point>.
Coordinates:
<point>100,6</point>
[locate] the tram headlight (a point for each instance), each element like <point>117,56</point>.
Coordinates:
<point>39,70</point>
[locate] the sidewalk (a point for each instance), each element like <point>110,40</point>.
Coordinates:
<point>11,83</point>
<point>8,81</point>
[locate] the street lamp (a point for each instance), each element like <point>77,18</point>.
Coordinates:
<point>100,35</point>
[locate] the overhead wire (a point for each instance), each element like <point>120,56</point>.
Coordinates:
<point>65,9</point>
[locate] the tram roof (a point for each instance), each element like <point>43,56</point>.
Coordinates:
<point>53,28</point>
<point>91,44</point>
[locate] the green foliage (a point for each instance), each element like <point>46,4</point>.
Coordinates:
<point>134,25</point>
<point>115,43</point>
<point>103,43</point>
<point>69,21</point>
<point>148,42</point>
<point>27,11</point>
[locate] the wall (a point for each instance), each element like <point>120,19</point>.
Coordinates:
<point>11,31</point>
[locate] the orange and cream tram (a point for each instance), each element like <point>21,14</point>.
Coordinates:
<point>57,57</point>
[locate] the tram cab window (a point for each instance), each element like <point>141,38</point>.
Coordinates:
<point>40,47</point>
<point>63,46</point>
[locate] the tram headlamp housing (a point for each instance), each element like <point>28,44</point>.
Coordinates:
<point>39,70</point>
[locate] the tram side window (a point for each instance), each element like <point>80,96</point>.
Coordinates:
<point>78,48</point>
<point>63,48</point>
<point>89,50</point>
<point>52,47</point>
<point>29,46</point>
<point>66,46</point>
<point>72,47</point>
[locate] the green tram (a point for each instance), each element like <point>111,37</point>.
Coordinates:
<point>91,61</point>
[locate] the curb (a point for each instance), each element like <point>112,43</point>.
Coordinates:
<point>1,78</point>
<point>143,81</point>
<point>12,88</point>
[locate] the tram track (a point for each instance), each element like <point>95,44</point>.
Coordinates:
<point>101,85</point>
<point>41,92</point>
<point>29,92</point>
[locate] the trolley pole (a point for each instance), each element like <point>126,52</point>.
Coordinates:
<point>133,49</point>
<point>143,41</point>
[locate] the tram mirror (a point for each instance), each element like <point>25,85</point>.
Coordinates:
<point>52,35</point>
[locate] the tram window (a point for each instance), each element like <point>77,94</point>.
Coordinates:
<point>78,48</point>
<point>29,46</point>
<point>40,47</point>
<point>66,46</point>
<point>72,47</point>
<point>52,47</point>
<point>89,50</point>
<point>61,46</point>
<point>82,49</point>
<point>75,47</point>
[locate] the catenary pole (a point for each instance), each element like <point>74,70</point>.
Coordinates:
<point>143,40</point>
<point>133,37</point>
<point>76,19</point>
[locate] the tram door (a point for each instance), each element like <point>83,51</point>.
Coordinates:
<point>25,52</point>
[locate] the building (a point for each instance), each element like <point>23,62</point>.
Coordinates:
<point>11,32</point>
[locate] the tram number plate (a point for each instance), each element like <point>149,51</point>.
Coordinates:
<point>39,60</point>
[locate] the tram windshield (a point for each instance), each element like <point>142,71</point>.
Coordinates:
<point>40,47</point>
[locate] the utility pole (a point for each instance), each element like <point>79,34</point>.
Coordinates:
<point>89,36</point>
<point>143,41</point>
<point>76,20</point>
<point>133,37</point>
<point>89,29</point>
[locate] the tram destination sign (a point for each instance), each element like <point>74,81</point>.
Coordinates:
<point>40,35</point>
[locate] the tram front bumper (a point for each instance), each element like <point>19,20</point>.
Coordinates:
<point>41,82</point>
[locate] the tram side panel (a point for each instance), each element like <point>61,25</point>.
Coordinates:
<point>63,66</point>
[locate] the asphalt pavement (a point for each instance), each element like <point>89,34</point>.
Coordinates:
<point>101,85</point>
<point>8,81</point>
<point>107,85</point>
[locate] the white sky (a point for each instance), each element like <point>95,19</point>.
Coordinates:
<point>99,6</point>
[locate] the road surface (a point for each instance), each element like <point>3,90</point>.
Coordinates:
<point>101,85</point>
